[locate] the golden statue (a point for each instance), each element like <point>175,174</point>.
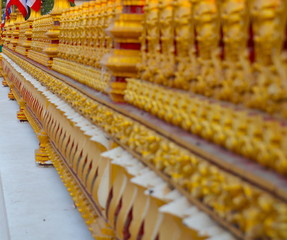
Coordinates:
<point>270,67</point>
<point>165,59</point>
<point>152,40</point>
<point>206,22</point>
<point>236,63</point>
<point>185,45</point>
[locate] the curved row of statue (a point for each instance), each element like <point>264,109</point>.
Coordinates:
<point>193,89</point>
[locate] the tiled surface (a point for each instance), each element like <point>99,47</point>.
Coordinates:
<point>37,203</point>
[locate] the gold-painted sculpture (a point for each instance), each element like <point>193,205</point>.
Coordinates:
<point>166,57</point>
<point>13,30</point>
<point>207,36</point>
<point>21,115</point>
<point>150,41</point>
<point>40,40</point>
<point>186,170</point>
<point>126,30</point>
<point>83,42</point>
<point>184,43</point>
<point>216,69</point>
<point>269,34</point>
<point>236,66</point>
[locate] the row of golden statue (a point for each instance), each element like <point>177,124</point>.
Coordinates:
<point>228,50</point>
<point>82,37</point>
<point>215,68</point>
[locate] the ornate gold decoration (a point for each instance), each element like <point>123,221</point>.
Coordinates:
<point>45,34</point>
<point>230,198</point>
<point>41,25</point>
<point>149,41</point>
<point>269,88</point>
<point>41,154</point>
<point>237,130</point>
<point>11,95</point>
<point>21,114</point>
<point>207,35</point>
<point>25,33</point>
<point>237,69</point>
<point>11,30</point>
<point>230,50</point>
<point>126,30</point>
<point>185,48</point>
<point>166,57</point>
<point>83,42</point>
